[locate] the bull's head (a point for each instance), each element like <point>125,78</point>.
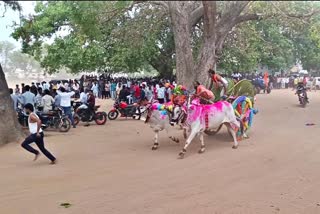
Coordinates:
<point>176,115</point>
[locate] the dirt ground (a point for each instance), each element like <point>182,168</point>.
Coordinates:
<point>111,168</point>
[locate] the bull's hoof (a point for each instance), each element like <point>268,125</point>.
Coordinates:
<point>202,150</point>
<point>174,139</point>
<point>234,147</point>
<point>181,155</point>
<point>154,148</point>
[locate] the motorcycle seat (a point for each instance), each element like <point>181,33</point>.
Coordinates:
<point>50,113</point>
<point>96,107</point>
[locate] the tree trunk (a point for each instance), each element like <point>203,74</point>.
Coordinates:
<point>182,38</point>
<point>10,129</point>
<point>207,57</point>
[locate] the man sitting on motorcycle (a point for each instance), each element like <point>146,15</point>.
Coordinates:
<point>91,101</point>
<point>301,89</point>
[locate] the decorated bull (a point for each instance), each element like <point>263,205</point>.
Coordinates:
<point>159,117</point>
<point>207,117</point>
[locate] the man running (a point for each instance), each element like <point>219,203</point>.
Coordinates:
<point>216,78</point>
<point>36,135</point>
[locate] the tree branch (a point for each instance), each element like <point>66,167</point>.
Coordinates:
<point>196,16</point>
<point>160,3</point>
<point>298,16</point>
<point>247,17</point>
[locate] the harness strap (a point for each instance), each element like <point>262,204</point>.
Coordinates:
<point>206,119</point>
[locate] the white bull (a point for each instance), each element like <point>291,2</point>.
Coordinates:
<point>159,120</point>
<point>208,117</point>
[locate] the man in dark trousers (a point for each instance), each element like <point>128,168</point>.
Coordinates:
<point>36,135</point>
<point>91,101</point>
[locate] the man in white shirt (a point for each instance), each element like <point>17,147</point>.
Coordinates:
<point>36,135</point>
<point>83,97</point>
<point>161,93</point>
<point>47,101</point>
<point>65,103</point>
<point>14,99</point>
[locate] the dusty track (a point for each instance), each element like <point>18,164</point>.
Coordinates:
<point>111,168</point>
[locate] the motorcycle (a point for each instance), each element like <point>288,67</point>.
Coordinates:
<point>54,119</point>
<point>83,114</point>
<point>125,110</point>
<point>302,97</point>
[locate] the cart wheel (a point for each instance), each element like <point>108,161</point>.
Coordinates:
<point>244,111</point>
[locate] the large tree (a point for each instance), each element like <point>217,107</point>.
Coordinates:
<point>100,37</point>
<point>125,35</point>
<point>10,129</point>
<point>219,19</point>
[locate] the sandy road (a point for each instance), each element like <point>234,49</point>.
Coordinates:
<point>111,168</point>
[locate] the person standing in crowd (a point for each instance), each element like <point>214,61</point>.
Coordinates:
<point>95,89</point>
<point>142,92</point>
<point>137,92</point>
<point>38,103</point>
<point>161,93</point>
<point>65,103</point>
<point>57,98</point>
<point>45,86</point>
<point>76,87</point>
<point>47,101</point>
<point>102,91</point>
<point>113,89</point>
<point>155,91</point>
<point>22,88</point>
<point>36,135</point>
<point>168,93</point>
<point>119,88</point>
<point>14,98</point>
<point>107,90</point>
<point>27,96</point>
<point>33,89</point>
<point>149,94</point>
<point>59,84</point>
<point>17,90</point>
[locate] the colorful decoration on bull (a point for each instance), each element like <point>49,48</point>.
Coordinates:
<point>179,90</point>
<point>244,111</point>
<point>162,108</point>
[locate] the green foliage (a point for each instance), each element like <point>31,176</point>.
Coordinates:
<point>119,36</point>
<point>103,36</point>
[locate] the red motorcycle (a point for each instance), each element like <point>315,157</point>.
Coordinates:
<point>125,110</point>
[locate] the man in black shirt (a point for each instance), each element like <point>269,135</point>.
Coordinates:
<point>124,92</point>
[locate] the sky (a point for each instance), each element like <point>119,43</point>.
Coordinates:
<point>10,17</point>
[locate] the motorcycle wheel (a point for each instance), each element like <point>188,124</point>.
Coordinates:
<point>112,115</point>
<point>100,118</point>
<point>76,119</point>
<point>304,102</point>
<point>64,125</point>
